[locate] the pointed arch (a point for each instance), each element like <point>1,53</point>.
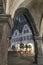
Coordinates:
<point>32,25</point>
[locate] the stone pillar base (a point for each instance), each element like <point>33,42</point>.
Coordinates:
<point>40,59</point>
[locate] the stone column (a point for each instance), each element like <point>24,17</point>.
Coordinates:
<point>40,55</point>
<point>40,44</point>
<point>1,27</point>
<point>4,19</point>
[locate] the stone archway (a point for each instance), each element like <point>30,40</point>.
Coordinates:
<point>28,16</point>
<point>26,13</point>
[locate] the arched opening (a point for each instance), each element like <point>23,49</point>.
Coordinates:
<point>24,40</point>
